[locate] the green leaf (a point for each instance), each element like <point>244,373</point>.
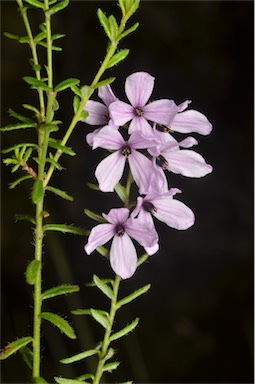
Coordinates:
<point>76,90</point>
<point>124,331</point>
<point>85,91</point>
<point>32,271</point>
<point>20,117</point>
<point>15,346</point>
<point>36,83</point>
<point>53,162</point>
<point>111,366</point>
<point>95,187</point>
<point>27,356</point>
<point>62,380</point>
<point>24,40</point>
<point>85,376</point>
<point>130,30</point>
<point>35,66</point>
<point>142,259</point>
<point>18,181</point>
<point>105,82</point>
<point>57,36</point>
<point>76,102</point>
<point>53,47</point>
<point>81,312</point>
<point>33,109</point>
<point>55,144</point>
<point>80,356</point>
<point>60,323</point>
<point>64,228</point>
<point>133,295</point>
<point>60,193</point>
<point>40,380</point>
<point>104,22</point>
<point>102,251</point>
<point>25,217</point>
<point>94,216</point>
<point>58,7</point>
<point>12,127</point>
<point>83,115</point>
<point>37,192</point>
<point>35,3</point>
<point>11,36</point>
<point>121,192</point>
<point>59,290</point>
<point>113,27</point>
<point>103,287</point>
<point>100,318</point>
<point>66,84</point>
<point>119,56</point>
<point>40,36</point>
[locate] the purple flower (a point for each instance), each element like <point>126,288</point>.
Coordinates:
<point>138,88</point>
<point>121,227</point>
<point>110,170</point>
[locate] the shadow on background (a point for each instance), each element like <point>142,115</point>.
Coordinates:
<point>197,320</point>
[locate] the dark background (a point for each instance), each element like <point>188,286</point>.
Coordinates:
<point>197,320</point>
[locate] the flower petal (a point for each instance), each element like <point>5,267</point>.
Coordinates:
<point>108,138</point>
<point>139,123</point>
<point>140,167</point>
<point>123,256</point>
<point>109,171</point>
<point>117,215</point>
<point>188,142</point>
<point>106,94</point>
<point>161,111</point>
<point>138,88</point>
<point>121,112</point>
<point>98,113</point>
<point>138,141</point>
<point>142,231</point>
<point>184,105</point>
<point>191,121</point>
<point>90,136</point>
<point>152,250</point>
<point>99,235</point>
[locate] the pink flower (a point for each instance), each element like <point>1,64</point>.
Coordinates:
<point>138,88</point>
<point>110,170</point>
<point>121,227</point>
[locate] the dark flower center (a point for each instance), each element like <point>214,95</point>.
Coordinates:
<point>119,230</point>
<point>162,162</point>
<point>126,150</point>
<point>163,128</point>
<point>139,111</point>
<point>149,207</point>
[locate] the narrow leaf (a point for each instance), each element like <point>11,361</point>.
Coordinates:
<point>27,356</point>
<point>58,7</point>
<point>11,36</point>
<point>25,217</point>
<point>104,22</point>
<point>54,162</point>
<point>142,259</point>
<point>40,37</point>
<point>18,181</point>
<point>59,290</point>
<point>12,127</point>
<point>35,3</point>
<point>86,376</point>
<point>94,216</point>
<point>119,56</point>
<point>121,192</point>
<point>103,251</point>
<point>64,228</point>
<point>105,82</point>
<point>20,117</point>
<point>66,84</point>
<point>100,318</point>
<point>53,47</point>
<point>130,30</point>
<point>103,287</point>
<point>60,323</point>
<point>37,192</point>
<point>125,331</point>
<point>113,27</point>
<point>95,187</point>
<point>111,366</point>
<point>32,271</point>
<point>76,102</point>
<point>57,36</point>
<point>80,356</point>
<point>81,312</point>
<point>60,193</point>
<point>133,295</point>
<point>62,148</point>
<point>36,83</point>
<point>15,346</point>
<point>62,380</point>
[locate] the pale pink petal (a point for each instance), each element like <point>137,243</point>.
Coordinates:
<point>123,256</point>
<point>187,163</point>
<point>173,212</point>
<point>108,138</point>
<point>161,111</point>
<point>138,141</point>
<point>141,170</point>
<point>138,207</point>
<point>191,121</point>
<point>152,250</point>
<point>139,123</point>
<point>109,171</point>
<point>142,231</point>
<point>188,142</point>
<point>121,112</point>
<point>98,113</point>
<point>184,105</point>
<point>158,180</point>
<point>90,136</point>
<point>117,215</point>
<point>138,88</point>
<point>99,235</point>
<point>106,94</point>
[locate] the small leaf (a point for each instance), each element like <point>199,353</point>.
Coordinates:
<point>79,356</point>
<point>36,83</point>
<point>62,380</point>
<point>105,82</point>
<point>14,346</point>
<point>102,251</point>
<point>35,3</point>
<point>53,47</point>
<point>58,7</point>
<point>113,27</point>
<point>76,90</point>
<point>12,127</point>
<point>32,271</point>
<point>11,36</point>
<point>130,30</point>
<point>33,109</point>
<point>103,287</point>
<point>60,193</point>
<point>95,187</point>
<point>85,91</point>
<point>27,356</point>
<point>35,66</point>
<point>37,192</point>
<point>64,228</point>
<point>81,312</point>
<point>94,216</point>
<point>40,37</point>
<point>60,323</point>
<point>20,117</point>
<point>18,146</point>
<point>59,290</point>
<point>100,318</point>
<point>18,181</point>
<point>121,192</point>
<point>76,102</point>
<point>125,331</point>
<point>57,36</point>
<point>110,354</point>
<point>83,115</point>
<point>104,22</point>
<point>25,217</point>
<point>66,84</point>
<point>119,56</point>
<point>111,366</point>
<point>133,295</point>
<point>53,162</point>
<point>86,376</point>
<point>62,148</point>
<point>142,259</point>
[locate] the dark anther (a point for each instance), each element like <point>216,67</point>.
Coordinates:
<point>119,230</point>
<point>149,207</point>
<point>163,128</point>
<point>126,150</point>
<point>139,111</point>
<point>162,162</point>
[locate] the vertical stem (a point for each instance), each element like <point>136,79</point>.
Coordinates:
<point>106,341</point>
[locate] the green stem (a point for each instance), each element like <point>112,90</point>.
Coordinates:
<point>106,340</point>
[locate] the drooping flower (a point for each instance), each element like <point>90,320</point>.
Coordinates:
<point>138,88</point>
<point>110,170</point>
<point>121,227</point>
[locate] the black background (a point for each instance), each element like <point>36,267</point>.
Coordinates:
<point>197,320</point>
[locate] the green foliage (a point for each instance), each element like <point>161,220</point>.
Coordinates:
<point>121,192</point>
<point>119,56</point>
<point>103,287</point>
<point>133,295</point>
<point>19,180</point>
<point>20,117</point>
<point>60,193</point>
<point>68,83</point>
<point>60,323</point>
<point>101,318</point>
<point>130,30</point>
<point>35,3</point>
<point>27,355</point>
<point>80,356</point>
<point>62,380</point>
<point>63,148</point>
<point>32,271</point>
<point>58,7</point>
<point>35,83</point>
<point>25,217</point>
<point>59,290</point>
<point>14,346</point>
<point>105,23</point>
<point>94,216</point>
<point>13,127</point>
<point>64,228</point>
<point>105,82</point>
<point>111,366</point>
<point>124,331</point>
<point>37,192</point>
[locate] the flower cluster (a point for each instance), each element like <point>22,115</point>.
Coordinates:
<point>149,148</point>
